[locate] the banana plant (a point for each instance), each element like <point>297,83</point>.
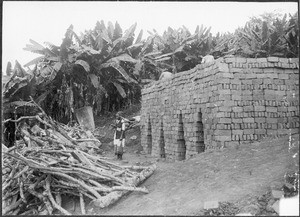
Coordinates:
<point>182,50</point>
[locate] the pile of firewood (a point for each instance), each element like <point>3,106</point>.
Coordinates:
<point>50,163</point>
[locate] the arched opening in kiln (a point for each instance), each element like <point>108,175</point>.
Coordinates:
<point>200,146</point>
<point>162,152</point>
<point>181,147</point>
<point>149,137</point>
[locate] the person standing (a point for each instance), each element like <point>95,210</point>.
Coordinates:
<point>119,136</point>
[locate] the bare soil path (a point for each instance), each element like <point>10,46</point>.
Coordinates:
<point>181,188</point>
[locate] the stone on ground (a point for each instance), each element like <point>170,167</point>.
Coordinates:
<point>211,204</point>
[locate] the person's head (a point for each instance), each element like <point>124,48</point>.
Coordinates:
<point>118,115</point>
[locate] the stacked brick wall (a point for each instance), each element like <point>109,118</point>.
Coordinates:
<point>240,100</point>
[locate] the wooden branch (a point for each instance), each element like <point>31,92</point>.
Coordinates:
<point>25,169</point>
<point>58,199</point>
<point>11,207</point>
<point>116,195</point>
<point>42,198</point>
<point>58,207</point>
<point>21,184</point>
<point>81,183</point>
<point>82,205</point>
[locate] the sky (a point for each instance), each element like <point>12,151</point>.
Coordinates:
<point>47,21</point>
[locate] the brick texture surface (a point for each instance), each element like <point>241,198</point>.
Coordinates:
<point>230,100</point>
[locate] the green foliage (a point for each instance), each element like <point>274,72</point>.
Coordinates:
<point>267,35</point>
<point>105,67</point>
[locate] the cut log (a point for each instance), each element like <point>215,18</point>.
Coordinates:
<point>116,195</point>
<point>82,205</point>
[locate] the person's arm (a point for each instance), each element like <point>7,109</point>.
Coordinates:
<point>123,129</point>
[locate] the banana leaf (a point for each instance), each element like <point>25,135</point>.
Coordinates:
<point>117,31</point>
<point>91,50</point>
<point>95,80</point>
<point>146,81</point>
<point>152,53</point>
<point>163,59</point>
<point>37,45</point>
<point>110,30</point>
<point>119,69</point>
<point>55,59</point>
<point>99,43</point>
<point>124,58</point>
<point>34,61</point>
<point>139,38</point>
<point>164,55</point>
<point>120,89</point>
<point>84,64</point>
<point>105,36</point>
<point>57,66</point>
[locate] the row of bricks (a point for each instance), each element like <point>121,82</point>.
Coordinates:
<point>258,123</point>
<point>246,137</point>
<point>260,60</point>
<point>194,125</point>
<point>237,84</point>
<point>269,73</point>
<point>173,103</point>
<point>293,124</point>
<point>246,131</point>
<point>225,106</point>
<point>247,120</point>
<point>239,96</point>
<point>264,65</point>
<point>273,86</point>
<point>241,112</point>
<point>287,102</point>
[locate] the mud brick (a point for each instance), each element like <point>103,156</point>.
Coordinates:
<point>236,96</point>
<point>261,60</point>
<point>237,120</point>
<point>229,59</point>
<point>222,132</point>
<point>283,60</point>
<point>211,204</point>
<point>223,138</point>
<point>224,91</point>
<point>257,81</point>
<point>248,120</point>
<point>260,131</point>
<point>220,115</point>
<point>251,76</point>
<point>237,109</point>
<point>225,109</point>
<point>258,96</point>
<point>271,109</point>
<point>271,120</point>
<point>248,131</point>
<point>294,76</point>
<point>227,75</point>
<point>257,71</point>
<point>248,108</point>
<point>270,96</point>
<point>283,76</point>
<point>223,67</point>
<point>268,70</point>
<point>237,132</point>
<point>235,81</point>
<point>273,59</point>
<point>260,108</point>
<point>240,60</point>
<point>225,120</point>
<point>272,132</point>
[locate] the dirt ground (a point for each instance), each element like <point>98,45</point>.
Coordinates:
<point>182,187</point>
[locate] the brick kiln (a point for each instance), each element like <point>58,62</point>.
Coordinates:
<point>225,103</point>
